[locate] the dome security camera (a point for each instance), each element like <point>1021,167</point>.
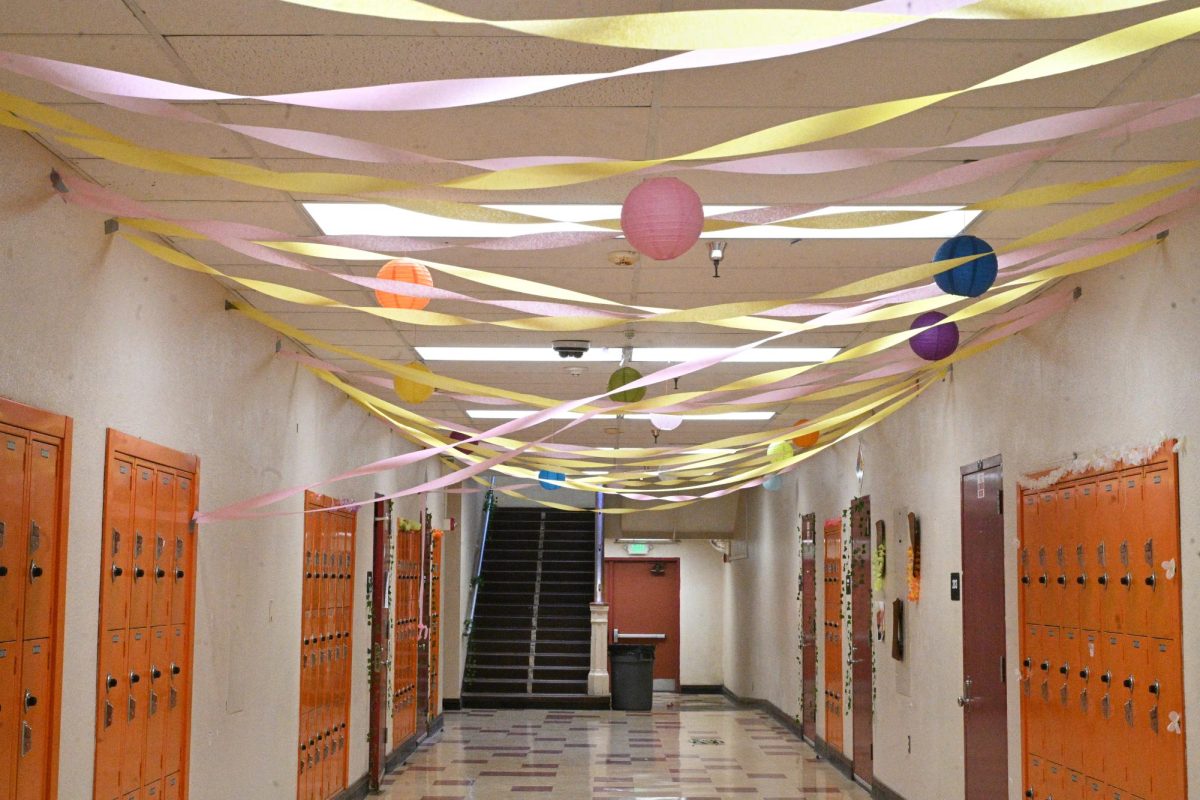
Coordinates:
<point>571,348</point>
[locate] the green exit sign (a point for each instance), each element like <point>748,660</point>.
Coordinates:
<point>637,549</point>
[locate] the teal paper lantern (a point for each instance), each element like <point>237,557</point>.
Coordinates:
<point>971,278</point>
<point>772,483</point>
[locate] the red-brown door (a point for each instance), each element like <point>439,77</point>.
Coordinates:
<point>860,643</point>
<point>808,625</point>
<point>984,699</point>
<point>643,608</point>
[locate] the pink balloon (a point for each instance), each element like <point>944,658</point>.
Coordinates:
<point>662,218</point>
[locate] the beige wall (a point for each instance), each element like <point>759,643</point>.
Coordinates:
<point>1119,368</point>
<point>701,600</point>
<point>95,330</point>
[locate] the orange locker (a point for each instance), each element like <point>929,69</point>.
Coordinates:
<point>1053,713</point>
<point>171,787</point>
<point>1030,537</point>
<point>1134,600</point>
<point>116,568</point>
<point>1091,691</point>
<point>137,657</point>
<point>1164,689</point>
<point>113,691</point>
<point>153,791</point>
<point>10,719</point>
<point>1086,557</point>
<point>1035,777</point>
<point>13,545</point>
<point>35,736</point>
<point>1113,738</point>
<point>41,581</point>
<point>161,549</point>
<point>833,634</point>
<point>1071,717</point>
<point>182,557</point>
<point>158,675</point>
<point>1160,554</point>
<point>1065,565</point>
<point>177,682</point>
<point>1094,789</point>
<point>1074,786</point>
<point>1054,783</point>
<point>1032,708</point>
<point>1109,547</point>
<point>1135,714</point>
<point>143,528</point>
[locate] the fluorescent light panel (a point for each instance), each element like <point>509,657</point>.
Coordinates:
<point>731,416</point>
<point>759,355</point>
<point>336,219</point>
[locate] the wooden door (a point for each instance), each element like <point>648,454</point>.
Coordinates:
<point>832,542</point>
<point>984,696</point>
<point>643,598</point>
<point>862,696</point>
<point>808,625</point>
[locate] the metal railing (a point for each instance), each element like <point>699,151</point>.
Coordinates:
<point>489,502</point>
<point>598,596</point>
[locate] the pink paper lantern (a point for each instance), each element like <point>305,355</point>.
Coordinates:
<point>662,218</point>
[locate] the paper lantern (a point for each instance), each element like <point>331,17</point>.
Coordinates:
<point>772,483</point>
<point>971,278</point>
<point>411,391</point>
<point>937,342</point>
<point>404,272</point>
<point>662,218</point>
<point>546,476</point>
<point>808,439</point>
<point>665,422</point>
<point>779,451</point>
<point>621,377</point>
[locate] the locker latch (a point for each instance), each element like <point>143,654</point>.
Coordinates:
<point>1129,713</point>
<point>131,708</point>
<point>153,703</point>
<point>1148,551</point>
<point>26,738</point>
<point>35,571</point>
<point>1101,555</point>
<point>35,536</point>
<point>108,714</point>
<point>1,534</point>
<point>1154,718</point>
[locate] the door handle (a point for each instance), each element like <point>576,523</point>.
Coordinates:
<point>618,635</point>
<point>966,699</point>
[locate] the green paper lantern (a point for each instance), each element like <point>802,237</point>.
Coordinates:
<point>779,451</point>
<point>621,377</point>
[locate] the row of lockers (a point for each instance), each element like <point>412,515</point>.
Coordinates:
<point>140,730</point>
<point>326,652</point>
<point>146,565</point>
<point>1119,696</point>
<point>406,632</point>
<point>32,501</point>
<point>1103,554</point>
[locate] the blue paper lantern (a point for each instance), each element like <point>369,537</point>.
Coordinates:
<point>772,483</point>
<point>546,476</point>
<point>971,278</point>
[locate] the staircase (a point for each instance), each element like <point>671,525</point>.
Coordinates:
<point>531,637</point>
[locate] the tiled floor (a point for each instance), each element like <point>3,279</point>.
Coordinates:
<point>698,747</point>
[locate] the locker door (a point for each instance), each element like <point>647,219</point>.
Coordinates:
<point>1073,785</point>
<point>153,791</point>
<point>137,649</point>
<point>1054,715</point>
<point>1135,714</point>
<point>171,787</point>
<point>176,687</point>
<point>1113,742</point>
<point>1071,719</point>
<point>13,542</point>
<point>1160,553</point>
<point>158,695</point>
<point>116,563</point>
<point>1087,566</point>
<point>143,546</point>
<point>1130,553</point>
<point>1108,548</point>
<point>1094,789</point>
<point>1054,783</point>
<point>1030,568</point>
<point>10,718</point>
<point>1063,589</point>
<point>34,707</point>
<point>1031,680</point>
<point>1164,688</point>
<point>1035,768</point>
<point>40,572</point>
<point>183,557</point>
<point>1047,566</point>
<point>1090,692</point>
<point>162,549</point>
<point>112,692</point>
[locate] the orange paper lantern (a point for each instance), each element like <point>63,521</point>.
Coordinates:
<point>808,439</point>
<point>405,272</point>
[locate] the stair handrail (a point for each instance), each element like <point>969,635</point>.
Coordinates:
<point>489,502</point>
<point>598,594</point>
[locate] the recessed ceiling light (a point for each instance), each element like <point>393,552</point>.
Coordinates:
<point>730,416</point>
<point>759,355</point>
<point>336,219</point>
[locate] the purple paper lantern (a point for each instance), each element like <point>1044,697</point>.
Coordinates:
<point>662,218</point>
<point>937,342</point>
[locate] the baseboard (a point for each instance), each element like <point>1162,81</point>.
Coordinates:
<point>835,758</point>
<point>451,704</point>
<point>880,791</point>
<point>700,688</point>
<point>400,754</point>
<point>355,791</point>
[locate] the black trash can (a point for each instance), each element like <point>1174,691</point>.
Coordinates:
<point>632,674</point>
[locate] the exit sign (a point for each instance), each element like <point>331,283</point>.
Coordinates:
<point>637,549</point>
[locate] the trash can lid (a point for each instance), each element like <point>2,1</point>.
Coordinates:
<point>632,652</point>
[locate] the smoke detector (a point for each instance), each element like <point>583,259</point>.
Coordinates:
<point>623,258</point>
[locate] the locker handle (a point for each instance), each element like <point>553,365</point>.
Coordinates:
<point>1128,682</point>
<point>174,669</point>
<point>1043,580</point>
<point>110,682</point>
<point>1045,666</point>
<point>30,700</point>
<point>117,571</point>
<point>134,677</point>
<point>1081,580</point>
<point>178,573</point>
<point>3,570</point>
<point>1102,580</point>
<point>1027,663</point>
<point>1106,677</point>
<point>1025,579</point>
<point>1029,793</point>
<point>1126,579</point>
<point>1154,688</point>
<point>1064,669</point>
<point>160,573</point>
<point>155,673</point>
<point>1084,673</point>
<point>138,572</point>
<point>34,570</point>
<point>1062,580</point>
<point>1150,581</point>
